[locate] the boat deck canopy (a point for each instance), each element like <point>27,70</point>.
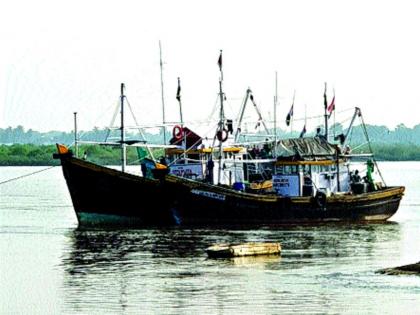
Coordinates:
<point>204,150</point>
<point>309,162</point>
<point>305,149</point>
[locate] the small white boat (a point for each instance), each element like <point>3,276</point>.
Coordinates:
<point>245,249</point>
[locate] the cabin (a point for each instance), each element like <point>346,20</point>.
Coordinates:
<point>306,165</point>
<point>194,161</point>
<point>293,167</point>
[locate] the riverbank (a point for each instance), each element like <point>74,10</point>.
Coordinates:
<point>41,155</point>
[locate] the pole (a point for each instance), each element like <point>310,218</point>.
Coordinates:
<point>184,140</point>
<point>335,126</point>
<point>325,112</point>
<point>293,109</point>
<point>338,169</point>
<point>163,98</point>
<point>179,101</point>
<point>220,130</point>
<point>76,147</point>
<point>222,118</point>
<point>275,119</point>
<point>241,115</point>
<point>123,146</point>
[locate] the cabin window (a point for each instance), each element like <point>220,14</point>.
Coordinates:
<point>287,169</point>
<point>325,168</point>
<point>306,169</point>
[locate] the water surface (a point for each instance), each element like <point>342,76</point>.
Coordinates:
<point>49,266</point>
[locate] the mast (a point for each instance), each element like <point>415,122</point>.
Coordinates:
<point>357,113</point>
<point>76,147</point>
<point>291,118</point>
<point>275,119</point>
<point>241,115</point>
<point>163,98</point>
<point>123,146</point>
<point>178,97</point>
<point>260,119</point>
<point>222,118</point>
<point>325,112</point>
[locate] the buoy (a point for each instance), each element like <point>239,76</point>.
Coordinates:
<point>178,132</point>
<point>245,249</point>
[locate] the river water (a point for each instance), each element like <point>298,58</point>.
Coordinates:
<point>49,266</point>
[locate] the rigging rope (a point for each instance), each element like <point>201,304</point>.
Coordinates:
<point>370,148</point>
<point>140,131</point>
<point>26,175</point>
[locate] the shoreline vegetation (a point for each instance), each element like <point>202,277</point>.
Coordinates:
<point>41,155</point>
<point>32,148</point>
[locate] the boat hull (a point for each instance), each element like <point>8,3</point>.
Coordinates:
<point>104,196</point>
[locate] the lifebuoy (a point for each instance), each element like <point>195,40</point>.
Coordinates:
<point>178,132</point>
<point>320,199</point>
<point>222,135</point>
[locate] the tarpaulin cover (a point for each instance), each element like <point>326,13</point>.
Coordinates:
<point>305,148</point>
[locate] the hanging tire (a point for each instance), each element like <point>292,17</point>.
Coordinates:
<point>320,199</point>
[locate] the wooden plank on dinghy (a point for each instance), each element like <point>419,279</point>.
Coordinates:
<point>245,249</point>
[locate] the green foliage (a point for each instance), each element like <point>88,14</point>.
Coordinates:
<point>34,155</point>
<point>27,154</point>
<point>34,148</point>
<point>397,152</point>
<point>19,135</point>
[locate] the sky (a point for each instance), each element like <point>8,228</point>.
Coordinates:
<point>59,57</point>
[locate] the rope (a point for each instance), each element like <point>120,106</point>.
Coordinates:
<point>140,131</point>
<point>26,175</point>
<point>370,148</point>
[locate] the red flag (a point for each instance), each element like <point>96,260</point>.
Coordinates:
<point>331,107</point>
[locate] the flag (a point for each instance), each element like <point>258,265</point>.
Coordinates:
<point>331,107</point>
<point>219,62</point>
<point>325,97</point>
<point>289,115</point>
<point>303,131</point>
<point>178,92</point>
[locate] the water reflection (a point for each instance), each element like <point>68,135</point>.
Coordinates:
<point>254,261</point>
<point>120,270</point>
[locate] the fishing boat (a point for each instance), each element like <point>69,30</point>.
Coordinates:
<point>289,181</point>
<point>103,195</point>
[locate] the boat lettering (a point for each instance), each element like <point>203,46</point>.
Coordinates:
<point>281,182</point>
<point>208,194</point>
<point>192,171</point>
<point>286,185</point>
